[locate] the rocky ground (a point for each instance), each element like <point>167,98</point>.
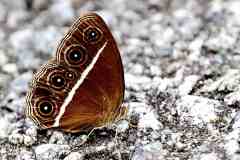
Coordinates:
<point>181,60</point>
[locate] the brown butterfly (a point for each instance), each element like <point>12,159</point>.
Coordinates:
<point>82,87</point>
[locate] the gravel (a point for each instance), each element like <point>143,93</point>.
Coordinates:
<point>181,61</point>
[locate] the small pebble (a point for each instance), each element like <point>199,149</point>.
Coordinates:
<point>51,151</point>
<point>16,138</point>
<point>10,68</point>
<point>74,156</point>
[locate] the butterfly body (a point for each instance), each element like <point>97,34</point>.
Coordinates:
<point>82,87</point>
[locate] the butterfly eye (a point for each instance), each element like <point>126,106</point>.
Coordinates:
<point>92,34</point>
<point>45,108</point>
<point>76,55</point>
<point>57,81</point>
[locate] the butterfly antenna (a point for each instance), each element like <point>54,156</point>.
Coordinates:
<point>86,138</point>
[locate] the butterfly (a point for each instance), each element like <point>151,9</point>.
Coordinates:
<point>82,86</point>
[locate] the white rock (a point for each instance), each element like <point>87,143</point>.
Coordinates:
<point>21,83</point>
<point>63,10</point>
<point>207,156</point>
<point>32,132</point>
<point>40,4</point>
<point>232,7</point>
<point>137,69</point>
<point>231,142</point>
<point>4,127</point>
<point>152,151</point>
<point>162,84</point>
<point>180,146</point>
<point>16,18</point>
<point>168,36</point>
<point>232,98</point>
<point>16,138</point>
<point>14,102</point>
<point>229,81</point>
<point>222,40</point>
<point>188,84</point>
<point>188,23</point>
<point>17,5</point>
<point>197,109</point>
<point>4,80</point>
<point>74,156</point>
<point>3,12</point>
<point>45,41</point>
<point>10,68</point>
<point>29,141</point>
<point>3,35</point>
<point>147,118</point>
<point>27,60</point>
<point>107,17</point>
<point>136,82</point>
<point>50,151</point>
<point>58,138</point>
<point>22,40</point>
<point>235,157</point>
<point>155,70</point>
<point>122,126</point>
<point>25,155</point>
<point>3,58</point>
<point>236,120</point>
<point>195,46</point>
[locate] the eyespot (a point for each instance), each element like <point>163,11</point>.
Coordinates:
<point>76,55</point>
<point>57,80</point>
<point>92,34</point>
<point>70,75</point>
<point>45,108</point>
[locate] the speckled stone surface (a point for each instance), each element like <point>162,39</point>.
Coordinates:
<point>181,61</point>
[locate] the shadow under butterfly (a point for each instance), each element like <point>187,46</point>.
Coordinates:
<point>82,86</point>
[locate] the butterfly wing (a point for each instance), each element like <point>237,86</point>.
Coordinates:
<point>92,72</point>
